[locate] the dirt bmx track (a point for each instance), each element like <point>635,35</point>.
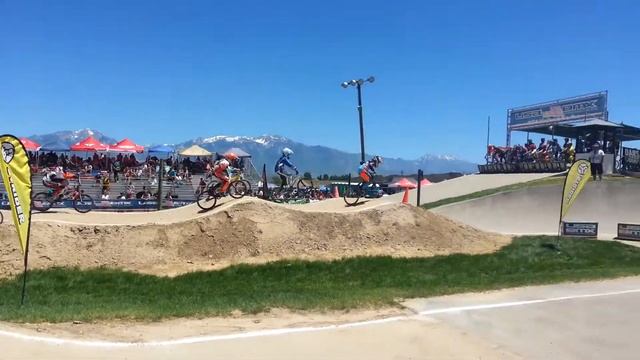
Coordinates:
<point>250,230</point>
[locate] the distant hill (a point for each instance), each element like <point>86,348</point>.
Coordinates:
<point>324,160</point>
<point>64,139</point>
<point>266,149</point>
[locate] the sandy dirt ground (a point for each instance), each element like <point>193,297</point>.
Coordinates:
<point>187,239</point>
<point>536,210</point>
<point>247,231</point>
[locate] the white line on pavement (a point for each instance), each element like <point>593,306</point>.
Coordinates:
<point>283,331</point>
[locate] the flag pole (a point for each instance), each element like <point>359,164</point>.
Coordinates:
<point>26,250</point>
<point>15,157</point>
<point>488,135</point>
<point>564,186</point>
<point>24,274</point>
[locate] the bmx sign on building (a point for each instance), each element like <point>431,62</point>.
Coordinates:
<point>559,111</point>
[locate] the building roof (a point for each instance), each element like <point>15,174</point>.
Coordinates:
<point>576,128</point>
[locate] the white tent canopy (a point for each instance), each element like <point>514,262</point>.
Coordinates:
<point>195,150</point>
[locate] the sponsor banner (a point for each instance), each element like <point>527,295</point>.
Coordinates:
<point>583,229</point>
<point>578,108</point>
<point>16,176</point>
<point>118,204</point>
<point>577,177</point>
<point>631,156</point>
<point>629,232</point>
<point>554,166</point>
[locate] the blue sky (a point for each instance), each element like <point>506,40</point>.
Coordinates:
<point>167,71</point>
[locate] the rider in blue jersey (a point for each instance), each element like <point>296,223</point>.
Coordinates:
<point>282,163</point>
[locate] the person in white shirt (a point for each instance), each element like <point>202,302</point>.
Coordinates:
<point>596,158</point>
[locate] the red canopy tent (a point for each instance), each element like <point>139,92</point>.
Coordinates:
<point>89,144</point>
<point>425,182</point>
<point>30,145</point>
<point>126,145</point>
<point>405,183</point>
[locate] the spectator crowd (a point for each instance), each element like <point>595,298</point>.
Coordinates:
<point>127,169</point>
<point>545,151</point>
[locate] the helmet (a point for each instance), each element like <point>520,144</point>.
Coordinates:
<point>224,164</point>
<point>231,156</point>
<point>377,160</point>
<point>287,152</point>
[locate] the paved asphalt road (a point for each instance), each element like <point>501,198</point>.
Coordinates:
<point>595,320</point>
<point>566,324</point>
<point>535,210</point>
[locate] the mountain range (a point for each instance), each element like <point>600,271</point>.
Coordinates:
<point>266,149</point>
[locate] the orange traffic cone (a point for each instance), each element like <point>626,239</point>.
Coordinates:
<point>405,198</point>
<point>336,193</point>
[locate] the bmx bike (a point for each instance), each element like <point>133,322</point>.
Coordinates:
<point>81,202</point>
<point>238,188</point>
<point>354,193</point>
<point>297,188</point>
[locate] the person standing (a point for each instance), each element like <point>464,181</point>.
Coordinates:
<point>596,158</point>
<point>116,167</point>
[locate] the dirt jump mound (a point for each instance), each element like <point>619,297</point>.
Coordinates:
<point>248,231</point>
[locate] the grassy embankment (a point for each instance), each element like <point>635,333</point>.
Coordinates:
<point>59,295</point>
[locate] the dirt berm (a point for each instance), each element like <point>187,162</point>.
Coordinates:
<point>244,232</point>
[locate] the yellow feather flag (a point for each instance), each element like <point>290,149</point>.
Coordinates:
<point>16,176</point>
<point>577,177</point>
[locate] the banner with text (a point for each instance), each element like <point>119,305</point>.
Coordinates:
<point>16,176</point>
<point>582,107</point>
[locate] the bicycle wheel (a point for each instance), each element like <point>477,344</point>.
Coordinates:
<point>208,198</point>
<point>84,204</point>
<point>248,185</point>
<point>238,189</point>
<point>1,217</point>
<point>303,184</point>
<point>352,195</point>
<point>317,194</point>
<point>277,195</point>
<point>41,202</point>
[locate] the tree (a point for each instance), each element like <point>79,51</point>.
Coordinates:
<point>325,177</point>
<point>307,175</point>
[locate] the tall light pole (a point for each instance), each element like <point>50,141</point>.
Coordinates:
<point>358,84</point>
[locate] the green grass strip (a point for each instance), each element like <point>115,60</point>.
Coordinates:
<point>64,294</point>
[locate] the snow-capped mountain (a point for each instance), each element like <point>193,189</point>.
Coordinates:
<point>321,159</point>
<point>66,138</point>
<point>266,149</point>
